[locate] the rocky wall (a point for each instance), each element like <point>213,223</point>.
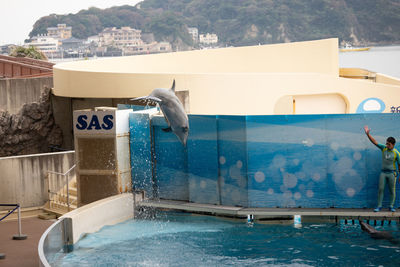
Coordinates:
<point>32,130</point>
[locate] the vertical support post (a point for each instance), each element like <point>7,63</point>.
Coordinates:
<point>67,177</point>
<point>19,220</point>
<point>134,203</point>
<point>294,106</point>
<point>49,183</point>
<point>20,236</point>
<point>297,221</point>
<point>250,218</point>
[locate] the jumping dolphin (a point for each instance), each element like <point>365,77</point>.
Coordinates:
<point>172,109</point>
<point>375,233</point>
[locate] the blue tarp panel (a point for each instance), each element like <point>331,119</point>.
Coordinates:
<point>274,161</point>
<point>141,153</point>
<point>316,160</point>
<point>203,160</point>
<point>170,159</point>
<point>232,160</point>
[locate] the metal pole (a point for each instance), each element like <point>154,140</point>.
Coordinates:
<point>134,203</point>
<point>19,220</point>
<point>20,236</point>
<point>67,176</point>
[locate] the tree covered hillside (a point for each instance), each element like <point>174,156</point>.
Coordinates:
<point>244,22</point>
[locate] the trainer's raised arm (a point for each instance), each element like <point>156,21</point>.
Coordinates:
<point>367,130</point>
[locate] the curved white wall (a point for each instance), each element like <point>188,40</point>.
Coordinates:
<point>243,80</point>
<point>90,218</point>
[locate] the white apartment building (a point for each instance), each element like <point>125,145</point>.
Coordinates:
<point>93,39</point>
<point>194,32</point>
<point>60,32</point>
<point>44,43</point>
<point>124,37</point>
<point>208,38</point>
<point>154,47</point>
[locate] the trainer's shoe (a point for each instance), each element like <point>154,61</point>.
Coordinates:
<point>392,209</point>
<point>377,209</point>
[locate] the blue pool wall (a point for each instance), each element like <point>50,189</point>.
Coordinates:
<point>309,161</point>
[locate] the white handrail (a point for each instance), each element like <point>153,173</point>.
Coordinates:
<point>67,184</point>
<point>73,166</point>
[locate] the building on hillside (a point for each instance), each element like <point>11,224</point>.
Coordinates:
<point>124,37</point>
<point>208,38</point>
<point>72,47</point>
<point>71,44</point>
<point>154,47</point>
<point>194,32</point>
<point>48,45</point>
<point>162,47</point>
<point>95,39</point>
<point>6,49</point>
<point>60,32</point>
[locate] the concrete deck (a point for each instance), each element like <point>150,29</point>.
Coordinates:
<point>337,213</point>
<point>21,253</point>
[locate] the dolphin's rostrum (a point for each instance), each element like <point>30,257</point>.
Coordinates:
<point>172,109</point>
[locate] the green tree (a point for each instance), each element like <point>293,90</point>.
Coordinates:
<point>170,27</point>
<point>30,52</point>
<point>243,22</point>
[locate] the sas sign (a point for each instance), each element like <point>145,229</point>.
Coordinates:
<point>94,122</point>
<point>83,122</point>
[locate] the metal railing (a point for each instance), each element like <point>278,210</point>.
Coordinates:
<point>59,192</point>
<point>20,236</point>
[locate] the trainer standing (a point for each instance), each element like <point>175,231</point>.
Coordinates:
<point>388,175</point>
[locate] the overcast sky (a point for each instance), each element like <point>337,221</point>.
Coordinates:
<point>18,16</point>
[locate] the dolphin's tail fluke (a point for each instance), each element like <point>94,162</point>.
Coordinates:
<point>375,233</point>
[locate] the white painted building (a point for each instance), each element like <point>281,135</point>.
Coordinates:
<point>93,39</point>
<point>208,38</point>
<point>60,32</point>
<point>194,32</point>
<point>44,43</point>
<point>124,37</point>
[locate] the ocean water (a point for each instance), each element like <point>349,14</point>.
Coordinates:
<point>194,240</point>
<point>385,60</point>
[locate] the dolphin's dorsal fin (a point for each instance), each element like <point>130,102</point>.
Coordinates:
<point>173,86</point>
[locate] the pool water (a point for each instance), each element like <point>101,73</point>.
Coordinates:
<point>180,239</point>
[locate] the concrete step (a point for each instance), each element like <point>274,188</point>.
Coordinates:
<point>56,211</point>
<point>63,198</point>
<point>61,206</point>
<point>48,216</point>
<point>73,191</point>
